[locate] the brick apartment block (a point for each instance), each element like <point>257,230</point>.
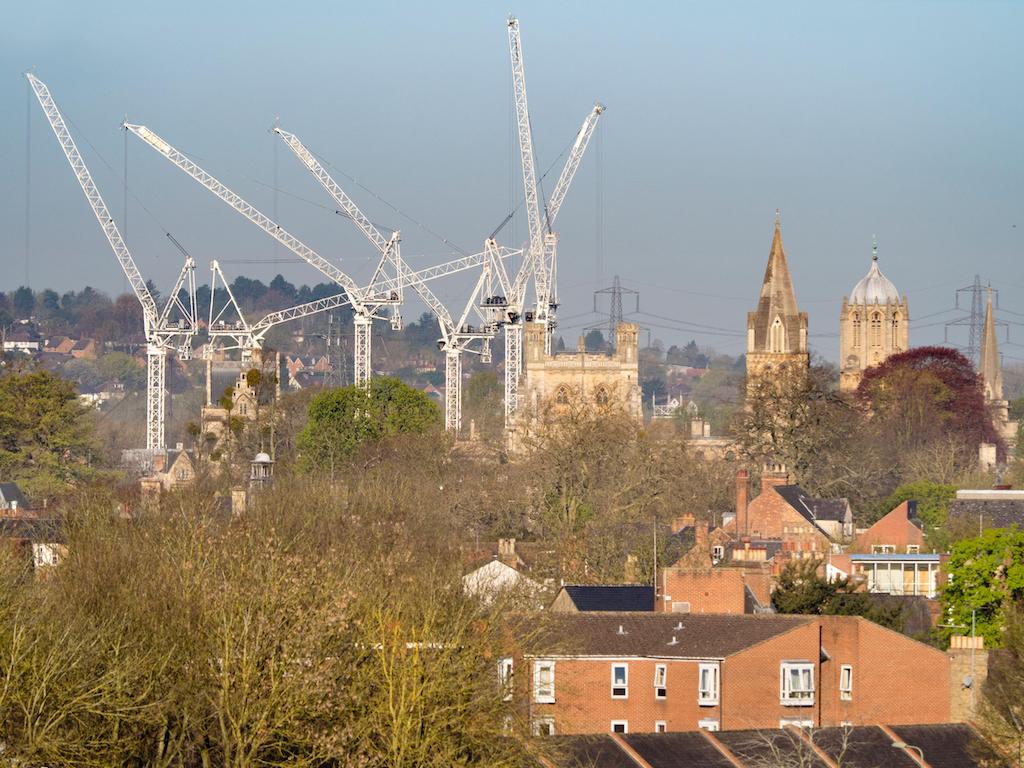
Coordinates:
<point>642,673</point>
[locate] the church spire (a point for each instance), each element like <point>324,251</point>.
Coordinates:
<point>777,296</point>
<point>777,325</point>
<point>991,371</point>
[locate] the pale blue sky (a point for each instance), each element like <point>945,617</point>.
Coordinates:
<point>903,119</point>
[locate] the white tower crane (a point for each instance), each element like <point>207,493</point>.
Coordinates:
<point>161,331</point>
<point>456,338</point>
<point>365,306</point>
<point>541,260</point>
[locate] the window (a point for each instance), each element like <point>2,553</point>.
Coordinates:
<point>707,725</point>
<point>660,726</point>
<point>883,549</point>
<point>544,726</point>
<point>601,397</point>
<point>718,553</point>
<point>562,396</point>
<point>708,687</point>
<point>544,682</point>
<point>660,676</point>
<point>505,677</point>
<point>620,726</point>
<point>856,330</point>
<point>797,684</point>
<point>913,549</point>
<point>620,681</point>
<point>796,722</point>
<point>681,607</point>
<point>876,329</point>
<point>846,682</point>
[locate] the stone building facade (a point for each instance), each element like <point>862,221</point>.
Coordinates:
<point>874,323</point>
<point>558,381</point>
<point>777,329</point>
<point>992,382</point>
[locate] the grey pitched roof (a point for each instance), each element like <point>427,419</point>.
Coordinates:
<point>702,636</point>
<point>10,492</point>
<point>619,597</point>
<point>812,507</point>
<point>37,529</point>
<point>995,513</point>
<point>675,750</point>
<point>949,745</point>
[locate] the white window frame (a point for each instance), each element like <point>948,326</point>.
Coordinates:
<point>795,698</point>
<point>660,726</point>
<point>506,670</point>
<point>539,722</point>
<point>846,682</point>
<point>796,722</point>
<point>708,724</point>
<point>625,686</point>
<point>623,723</point>
<point>546,696</point>
<point>708,697</point>
<point>681,606</point>
<point>660,681</point>
<point>913,549</point>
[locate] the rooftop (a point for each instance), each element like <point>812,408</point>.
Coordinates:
<point>620,597</point>
<point>657,635</point>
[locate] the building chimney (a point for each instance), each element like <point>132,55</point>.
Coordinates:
<point>682,521</point>
<point>507,553</point>
<point>742,481</point>
<point>773,475</point>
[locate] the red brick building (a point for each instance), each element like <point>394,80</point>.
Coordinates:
<point>805,524</point>
<point>637,673</point>
<point>899,531</point>
<point>732,589</point>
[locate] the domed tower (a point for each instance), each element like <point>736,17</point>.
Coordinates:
<point>873,324</point>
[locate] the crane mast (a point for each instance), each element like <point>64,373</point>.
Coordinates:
<point>364,307</point>
<point>455,338</point>
<point>160,331</point>
<point>542,248</point>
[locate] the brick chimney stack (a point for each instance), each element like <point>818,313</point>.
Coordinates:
<point>773,475</point>
<point>507,553</point>
<point>742,480</point>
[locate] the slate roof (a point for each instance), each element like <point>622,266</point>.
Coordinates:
<point>770,747</point>
<point>41,530</point>
<point>620,597</point>
<point>812,508</point>
<point>702,636</point>
<point>948,746</point>
<point>996,513</point>
<point>10,492</point>
<point>590,751</point>
<point>677,750</point>
<point>951,745</point>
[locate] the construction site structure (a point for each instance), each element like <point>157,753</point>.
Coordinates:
<point>169,329</point>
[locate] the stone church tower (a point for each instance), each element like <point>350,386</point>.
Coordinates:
<point>777,329</point>
<point>873,324</point>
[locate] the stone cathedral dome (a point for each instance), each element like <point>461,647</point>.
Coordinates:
<point>874,286</point>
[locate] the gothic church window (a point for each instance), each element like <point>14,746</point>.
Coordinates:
<point>777,336</point>
<point>856,329</point>
<point>876,329</point>
<point>601,397</point>
<point>562,396</point>
<point>896,332</point>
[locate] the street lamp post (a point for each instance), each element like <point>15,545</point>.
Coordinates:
<point>904,745</point>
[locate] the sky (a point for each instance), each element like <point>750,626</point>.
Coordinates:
<point>901,120</point>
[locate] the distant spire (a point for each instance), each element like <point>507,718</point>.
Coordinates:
<point>777,299</point>
<point>778,218</point>
<point>991,371</point>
